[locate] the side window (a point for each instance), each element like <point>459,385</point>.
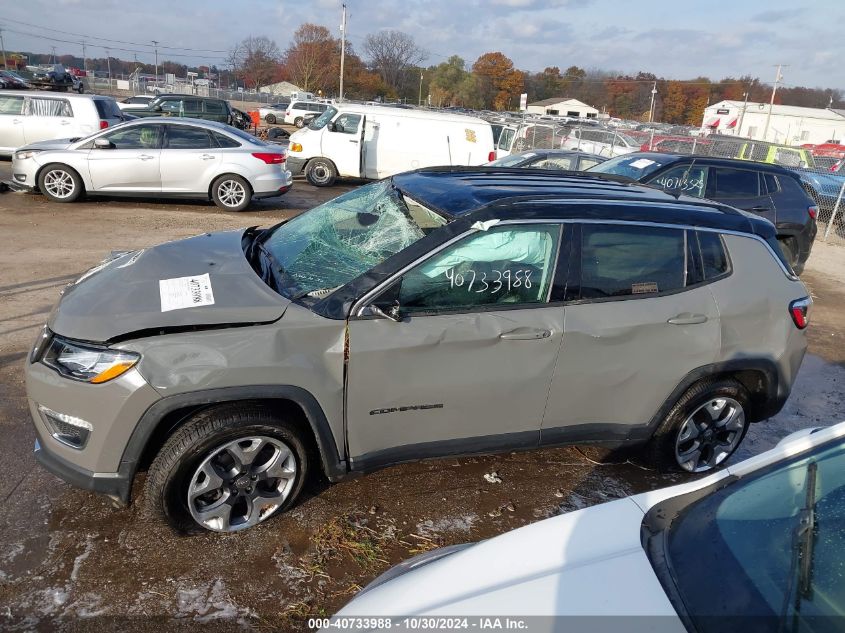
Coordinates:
<point>171,105</point>
<point>735,183</point>
<point>191,105</point>
<point>586,163</point>
<point>562,163</point>
<point>184,137</point>
<point>508,265</point>
<point>37,106</point>
<point>691,179</point>
<point>224,141</point>
<point>714,259</point>
<point>618,261</point>
<point>771,183</point>
<point>298,106</point>
<point>11,104</point>
<point>215,107</point>
<point>505,138</point>
<point>347,123</point>
<point>135,137</point>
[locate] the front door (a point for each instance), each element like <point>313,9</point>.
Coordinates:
<point>468,365</point>
<point>638,320</point>
<point>189,159</point>
<point>342,143</point>
<point>11,123</point>
<point>131,164</point>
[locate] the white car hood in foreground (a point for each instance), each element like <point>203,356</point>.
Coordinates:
<point>583,563</point>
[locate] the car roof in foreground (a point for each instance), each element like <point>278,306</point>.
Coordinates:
<point>539,193</point>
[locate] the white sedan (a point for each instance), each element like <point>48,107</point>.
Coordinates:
<point>273,113</point>
<point>157,157</point>
<point>758,546</point>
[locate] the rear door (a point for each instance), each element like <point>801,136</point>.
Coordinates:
<point>638,319</point>
<point>342,141</point>
<point>740,188</point>
<point>215,111</point>
<point>47,118</point>
<point>11,123</point>
<point>189,159</point>
<point>132,164</point>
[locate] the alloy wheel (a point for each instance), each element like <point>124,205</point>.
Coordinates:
<point>241,483</point>
<point>59,183</point>
<point>231,193</point>
<point>709,435</point>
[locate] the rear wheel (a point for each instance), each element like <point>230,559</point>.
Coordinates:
<point>231,192</point>
<point>790,251</point>
<point>227,469</point>
<point>703,429</point>
<point>299,122</point>
<point>60,183</point>
<point>321,172</point>
<point>270,118</point>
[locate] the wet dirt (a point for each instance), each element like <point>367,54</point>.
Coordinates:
<point>69,561</point>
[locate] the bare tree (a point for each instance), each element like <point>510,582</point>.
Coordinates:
<point>255,60</point>
<point>391,53</point>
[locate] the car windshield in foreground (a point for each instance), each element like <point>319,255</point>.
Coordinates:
<point>512,161</point>
<point>768,551</point>
<point>330,245</point>
<point>629,165</point>
<point>320,122</point>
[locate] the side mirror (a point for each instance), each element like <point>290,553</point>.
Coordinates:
<point>392,315</point>
<point>103,143</point>
<point>157,108</point>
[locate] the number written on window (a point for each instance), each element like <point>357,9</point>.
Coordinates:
<point>471,281</point>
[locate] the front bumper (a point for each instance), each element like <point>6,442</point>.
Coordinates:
<point>296,165</point>
<point>24,173</point>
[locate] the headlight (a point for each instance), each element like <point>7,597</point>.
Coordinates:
<point>87,363</point>
<point>28,153</point>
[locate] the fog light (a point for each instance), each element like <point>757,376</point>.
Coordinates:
<point>67,429</point>
<point>20,177</point>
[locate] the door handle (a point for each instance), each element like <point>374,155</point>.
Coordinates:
<point>525,334</point>
<point>686,318</point>
<point>65,123</point>
<point>207,157</point>
<point>353,141</point>
<point>17,121</point>
<point>759,209</point>
<point>146,157</point>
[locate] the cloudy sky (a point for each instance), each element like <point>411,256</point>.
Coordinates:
<point>678,39</point>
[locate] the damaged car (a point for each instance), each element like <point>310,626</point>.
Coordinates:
<point>438,312</point>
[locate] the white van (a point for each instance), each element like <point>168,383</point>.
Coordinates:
<point>360,141</point>
<point>27,117</point>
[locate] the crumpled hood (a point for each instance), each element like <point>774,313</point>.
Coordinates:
<point>124,295</point>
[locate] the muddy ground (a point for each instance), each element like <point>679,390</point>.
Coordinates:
<point>68,561</point>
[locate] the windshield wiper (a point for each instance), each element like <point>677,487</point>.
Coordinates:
<point>803,545</point>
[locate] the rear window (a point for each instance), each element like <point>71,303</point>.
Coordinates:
<point>734,183</point>
<point>215,107</point>
<point>11,105</point>
<point>108,109</point>
<point>224,141</point>
<point>185,137</point>
<point>618,261</point>
<point>770,181</point>
<point>714,259</point>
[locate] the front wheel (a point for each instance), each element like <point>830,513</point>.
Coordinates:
<point>321,172</point>
<point>231,192</point>
<point>227,469</point>
<point>299,122</point>
<point>60,183</point>
<point>270,118</point>
<point>703,429</point>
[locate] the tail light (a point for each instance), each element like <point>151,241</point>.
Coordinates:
<point>813,210</point>
<point>491,157</point>
<point>800,312</point>
<point>287,112</point>
<point>270,159</point>
<point>104,125</point>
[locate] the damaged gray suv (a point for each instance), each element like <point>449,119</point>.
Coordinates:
<point>438,312</point>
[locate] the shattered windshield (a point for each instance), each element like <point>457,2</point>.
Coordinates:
<point>320,122</point>
<point>332,244</point>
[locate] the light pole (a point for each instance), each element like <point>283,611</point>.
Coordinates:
<point>3,47</point>
<point>155,45</point>
<point>108,63</point>
<point>419,100</point>
<point>342,50</point>
<point>742,116</point>
<point>84,59</point>
<point>778,77</point>
<point>651,108</point>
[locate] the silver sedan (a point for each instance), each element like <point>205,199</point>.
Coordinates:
<point>184,158</point>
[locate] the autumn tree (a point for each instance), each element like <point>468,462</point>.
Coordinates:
<point>674,102</point>
<point>310,56</point>
<point>391,54</point>
<point>499,82</point>
<point>255,61</point>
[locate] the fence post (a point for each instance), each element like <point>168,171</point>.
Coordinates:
<point>651,140</point>
<point>835,209</point>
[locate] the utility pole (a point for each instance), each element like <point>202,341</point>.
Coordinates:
<point>108,63</point>
<point>342,48</point>
<point>651,108</point>
<point>54,55</point>
<point>742,116</point>
<point>155,45</point>
<point>778,77</point>
<point>84,59</point>
<point>3,47</point>
<point>419,101</point>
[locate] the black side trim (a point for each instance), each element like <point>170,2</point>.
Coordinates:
<point>595,433</point>
<point>333,465</point>
<point>521,440</point>
<point>117,487</point>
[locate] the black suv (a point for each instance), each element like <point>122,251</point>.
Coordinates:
<point>191,106</point>
<point>767,190</point>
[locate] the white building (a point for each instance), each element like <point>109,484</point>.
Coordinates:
<point>281,89</point>
<point>789,125</point>
<point>561,106</point>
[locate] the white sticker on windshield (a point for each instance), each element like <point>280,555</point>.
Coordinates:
<point>185,292</point>
<point>642,163</point>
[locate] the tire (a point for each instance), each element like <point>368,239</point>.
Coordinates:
<point>270,118</point>
<point>60,183</point>
<point>182,466</point>
<point>299,122</point>
<point>672,442</point>
<point>790,251</point>
<point>321,172</point>
<point>231,192</point>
